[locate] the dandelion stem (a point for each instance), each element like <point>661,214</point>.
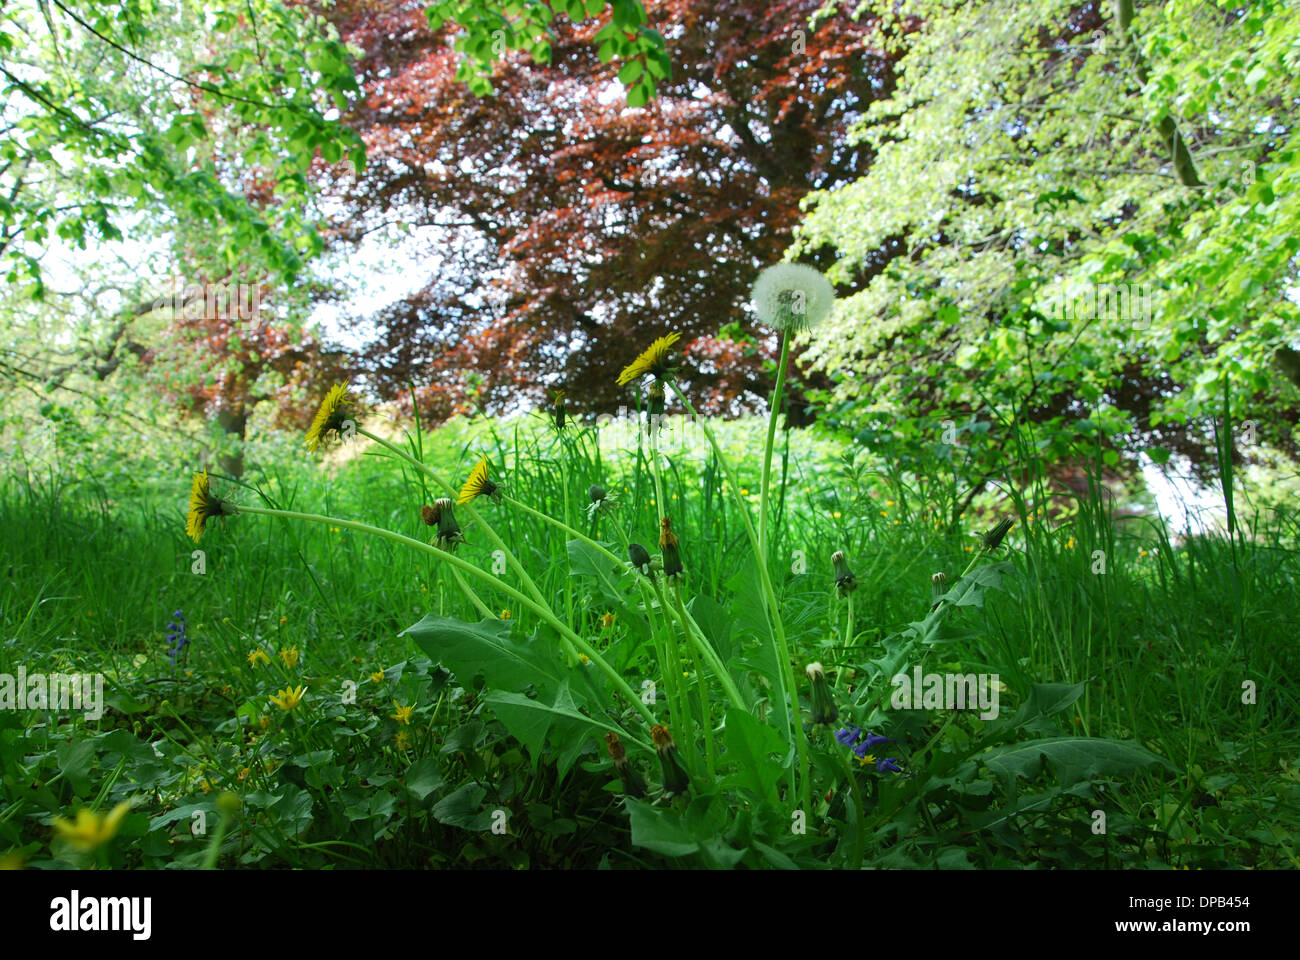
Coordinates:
<point>778,394</point>
<point>785,678</point>
<point>539,609</point>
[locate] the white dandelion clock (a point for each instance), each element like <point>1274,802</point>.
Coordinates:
<point>792,296</point>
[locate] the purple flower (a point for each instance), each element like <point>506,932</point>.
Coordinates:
<point>888,763</point>
<point>848,736</point>
<point>176,636</point>
<point>874,741</point>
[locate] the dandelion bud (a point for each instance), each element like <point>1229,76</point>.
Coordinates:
<point>676,780</point>
<point>993,539</point>
<point>596,493</point>
<point>655,403</point>
<point>844,579</point>
<point>823,708</point>
<point>639,556</point>
<point>668,547</point>
<point>560,409</point>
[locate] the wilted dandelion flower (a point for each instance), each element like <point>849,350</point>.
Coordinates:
<point>287,699</point>
<point>656,401</point>
<point>823,707</point>
<point>449,534</point>
<point>652,360</point>
<point>676,780</point>
<point>792,296</point>
<point>204,505</point>
<point>633,782</point>
<point>290,656</point>
<point>92,830</point>
<point>606,621</point>
<point>478,484</point>
<point>668,547</point>
<point>335,410</point>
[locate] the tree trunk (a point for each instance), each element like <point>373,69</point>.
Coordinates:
<point>234,421</point>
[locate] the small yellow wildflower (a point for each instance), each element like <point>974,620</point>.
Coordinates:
<point>264,721</point>
<point>243,773</point>
<point>287,699</point>
<point>92,830</point>
<point>607,621</point>
<point>258,656</point>
<point>403,714</point>
<point>290,657</point>
<point>377,677</point>
<point>403,739</point>
<point>505,614</point>
<point>584,658</point>
<point>1069,544</point>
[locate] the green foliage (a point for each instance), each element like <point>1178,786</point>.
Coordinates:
<point>491,27</point>
<point>1023,159</point>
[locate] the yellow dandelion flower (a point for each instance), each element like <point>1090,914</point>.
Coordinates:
<point>287,699</point>
<point>258,656</point>
<point>92,830</point>
<point>653,360</point>
<point>403,714</point>
<point>203,507</point>
<point>377,677</point>
<point>290,657</point>
<point>478,484</point>
<point>331,416</point>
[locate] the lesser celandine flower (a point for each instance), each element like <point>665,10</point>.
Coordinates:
<point>287,699</point>
<point>478,484</point>
<point>290,657</point>
<point>377,677</point>
<point>92,830</point>
<point>993,539</point>
<point>668,547</point>
<point>258,656</point>
<point>633,782</point>
<point>823,707</point>
<point>607,621</point>
<point>791,296</point>
<point>652,360</point>
<point>403,714</point>
<point>204,505</point>
<point>845,582</point>
<point>676,779</point>
<point>335,410</point>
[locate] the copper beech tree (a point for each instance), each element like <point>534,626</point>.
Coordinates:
<point>563,229</point>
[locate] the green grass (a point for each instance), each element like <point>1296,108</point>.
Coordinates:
<point>1162,643</point>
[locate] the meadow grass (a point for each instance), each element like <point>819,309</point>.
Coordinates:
<point>1167,640</point>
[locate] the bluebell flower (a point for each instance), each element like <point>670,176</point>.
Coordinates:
<point>176,636</point>
<point>888,763</point>
<point>848,736</point>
